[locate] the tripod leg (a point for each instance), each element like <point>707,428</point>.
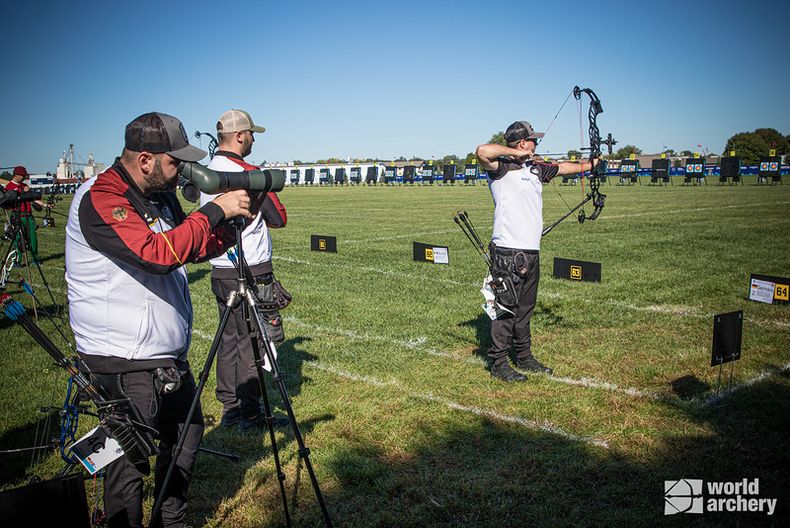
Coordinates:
<point>304,452</point>
<point>230,456</point>
<point>23,248</point>
<point>204,374</point>
<point>267,409</point>
<point>46,286</point>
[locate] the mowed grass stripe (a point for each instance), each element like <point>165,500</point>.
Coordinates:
<point>545,426</point>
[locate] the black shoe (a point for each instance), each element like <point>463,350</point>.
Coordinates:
<point>258,424</point>
<point>533,365</point>
<point>505,372</point>
<point>231,418</point>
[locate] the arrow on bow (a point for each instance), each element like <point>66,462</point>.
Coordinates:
<point>596,173</point>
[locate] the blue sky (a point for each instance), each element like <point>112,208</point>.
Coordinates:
<point>388,79</point>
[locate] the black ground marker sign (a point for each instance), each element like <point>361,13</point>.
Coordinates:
<point>431,253</point>
<point>578,270</point>
<point>323,243</point>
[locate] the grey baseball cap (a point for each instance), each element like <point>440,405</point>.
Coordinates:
<point>158,133</point>
<point>521,130</point>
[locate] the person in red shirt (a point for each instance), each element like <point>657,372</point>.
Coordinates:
<point>25,214</point>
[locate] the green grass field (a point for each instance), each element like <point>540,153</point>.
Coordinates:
<point>385,364</point>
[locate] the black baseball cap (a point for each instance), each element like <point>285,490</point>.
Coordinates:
<point>158,133</point>
<point>521,130</point>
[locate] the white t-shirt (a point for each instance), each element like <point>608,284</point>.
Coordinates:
<point>518,202</point>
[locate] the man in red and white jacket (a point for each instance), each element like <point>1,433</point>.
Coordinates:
<point>237,380</point>
<point>127,240</point>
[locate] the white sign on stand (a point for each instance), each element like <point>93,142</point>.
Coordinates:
<point>441,255</point>
<point>762,291</point>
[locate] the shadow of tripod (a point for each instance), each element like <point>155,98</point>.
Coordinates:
<point>247,296</point>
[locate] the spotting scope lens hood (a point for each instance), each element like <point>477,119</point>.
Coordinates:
<point>215,182</point>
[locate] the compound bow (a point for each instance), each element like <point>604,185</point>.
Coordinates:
<point>213,144</point>
<point>599,171</point>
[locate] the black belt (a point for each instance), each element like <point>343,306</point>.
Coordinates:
<point>513,251</point>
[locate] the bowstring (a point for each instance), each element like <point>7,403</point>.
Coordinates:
<point>581,138</point>
<point>557,114</point>
<point>551,123</point>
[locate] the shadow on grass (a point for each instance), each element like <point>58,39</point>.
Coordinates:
<point>481,473</point>
<point>40,432</point>
<point>222,480</point>
<point>54,256</point>
<point>195,274</point>
<point>688,387</point>
<point>482,327</point>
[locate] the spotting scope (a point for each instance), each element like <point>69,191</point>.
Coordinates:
<point>198,178</point>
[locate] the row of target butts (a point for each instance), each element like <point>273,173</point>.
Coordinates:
<point>696,171</point>
<point>383,174</point>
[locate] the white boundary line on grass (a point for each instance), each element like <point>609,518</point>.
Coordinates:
<point>688,311</point>
<point>545,426</point>
<point>680,311</point>
<point>419,344</point>
<point>393,237</point>
<point>765,374</point>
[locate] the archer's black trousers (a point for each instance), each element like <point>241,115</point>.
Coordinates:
<point>123,483</point>
<point>237,378</point>
<point>513,331</point>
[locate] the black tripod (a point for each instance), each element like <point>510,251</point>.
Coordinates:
<point>16,234</point>
<point>246,295</point>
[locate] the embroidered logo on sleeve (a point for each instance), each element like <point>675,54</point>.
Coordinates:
<point>120,213</point>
